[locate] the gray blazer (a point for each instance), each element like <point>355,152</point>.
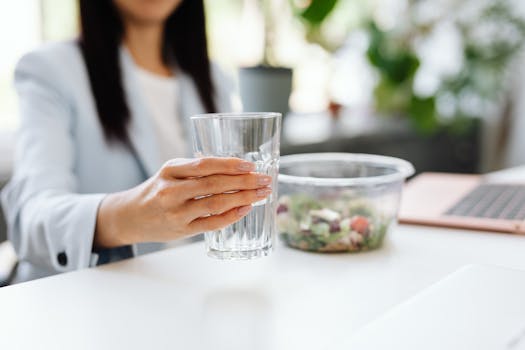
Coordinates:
<point>64,166</point>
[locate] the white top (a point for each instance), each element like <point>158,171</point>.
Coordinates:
<point>180,298</point>
<point>161,94</point>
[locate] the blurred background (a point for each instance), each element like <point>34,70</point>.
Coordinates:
<point>437,82</point>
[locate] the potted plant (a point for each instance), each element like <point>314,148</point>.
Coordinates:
<point>484,53</point>
<point>449,116</point>
<point>268,85</point>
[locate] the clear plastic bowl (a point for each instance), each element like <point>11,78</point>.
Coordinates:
<point>339,202</point>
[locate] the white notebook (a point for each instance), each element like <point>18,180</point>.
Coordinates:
<point>477,307</point>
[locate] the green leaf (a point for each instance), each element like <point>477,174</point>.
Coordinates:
<point>301,204</point>
<point>398,64</point>
<point>392,99</point>
<point>423,113</point>
<point>317,11</point>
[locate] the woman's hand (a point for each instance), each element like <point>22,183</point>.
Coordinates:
<point>185,197</point>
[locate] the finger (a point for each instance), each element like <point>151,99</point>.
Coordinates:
<point>216,184</point>
<point>222,203</point>
<point>181,168</point>
<point>216,222</point>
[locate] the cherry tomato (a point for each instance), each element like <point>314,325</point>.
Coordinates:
<point>360,224</point>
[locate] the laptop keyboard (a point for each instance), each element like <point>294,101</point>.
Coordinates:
<point>494,201</point>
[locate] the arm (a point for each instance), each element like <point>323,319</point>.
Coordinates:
<point>46,218</point>
<point>165,207</point>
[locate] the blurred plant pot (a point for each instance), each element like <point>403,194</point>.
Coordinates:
<point>265,89</point>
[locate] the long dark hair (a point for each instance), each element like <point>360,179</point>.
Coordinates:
<point>101,35</point>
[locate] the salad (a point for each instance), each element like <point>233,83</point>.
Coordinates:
<point>341,224</point>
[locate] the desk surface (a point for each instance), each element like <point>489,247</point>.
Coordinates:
<point>180,298</point>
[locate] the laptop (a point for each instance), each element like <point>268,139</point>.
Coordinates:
<point>464,201</point>
<point>475,308</point>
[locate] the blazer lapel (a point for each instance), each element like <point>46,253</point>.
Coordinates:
<point>141,128</point>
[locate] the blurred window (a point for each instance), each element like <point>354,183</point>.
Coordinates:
<point>235,33</point>
<point>24,25</point>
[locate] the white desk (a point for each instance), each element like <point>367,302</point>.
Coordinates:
<point>181,299</point>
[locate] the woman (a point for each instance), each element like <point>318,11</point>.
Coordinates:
<point>99,117</point>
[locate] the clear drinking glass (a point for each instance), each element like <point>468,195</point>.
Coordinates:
<point>253,137</point>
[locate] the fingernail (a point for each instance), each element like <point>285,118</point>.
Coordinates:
<point>242,211</point>
<point>263,180</point>
<point>246,166</point>
<point>263,192</point>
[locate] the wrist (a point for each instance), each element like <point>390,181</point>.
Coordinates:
<point>110,230</point>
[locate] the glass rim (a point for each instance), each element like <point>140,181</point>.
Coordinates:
<point>403,169</point>
<point>240,116</point>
